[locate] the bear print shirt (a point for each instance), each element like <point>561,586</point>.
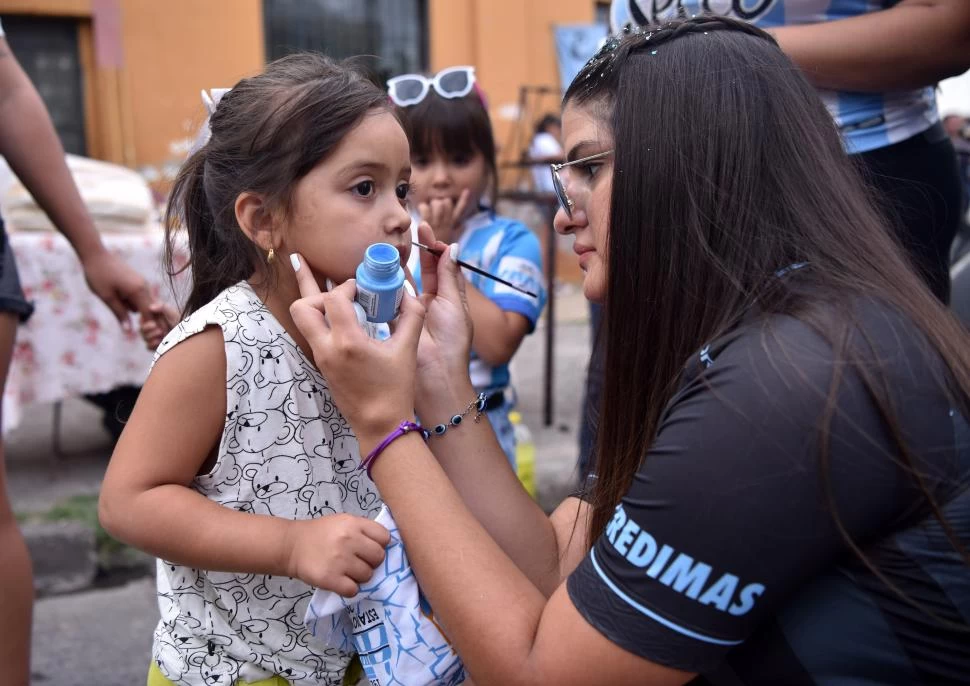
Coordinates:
<point>285,451</point>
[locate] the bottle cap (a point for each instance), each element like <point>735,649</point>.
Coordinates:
<point>382,259</point>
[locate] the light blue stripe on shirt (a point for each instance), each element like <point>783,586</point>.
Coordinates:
<point>653,615</point>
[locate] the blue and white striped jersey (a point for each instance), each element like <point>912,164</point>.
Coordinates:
<point>868,121</point>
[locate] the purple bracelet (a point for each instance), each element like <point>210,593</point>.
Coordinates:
<point>402,429</point>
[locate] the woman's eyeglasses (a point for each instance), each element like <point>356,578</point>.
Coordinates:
<point>565,201</point>
<point>410,89</point>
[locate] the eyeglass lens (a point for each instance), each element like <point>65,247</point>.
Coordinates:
<point>557,185</point>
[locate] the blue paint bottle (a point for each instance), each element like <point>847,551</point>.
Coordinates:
<point>380,283</point>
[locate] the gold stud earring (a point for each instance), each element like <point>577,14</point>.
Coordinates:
<point>270,256</point>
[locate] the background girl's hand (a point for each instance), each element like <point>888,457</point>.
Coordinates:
<point>445,216</point>
<point>337,552</point>
<point>372,381</point>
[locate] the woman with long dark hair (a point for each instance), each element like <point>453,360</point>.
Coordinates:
<point>781,481</point>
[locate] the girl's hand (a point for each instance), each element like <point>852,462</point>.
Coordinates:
<point>337,552</point>
<point>372,381</point>
<point>155,327</point>
<point>444,216</point>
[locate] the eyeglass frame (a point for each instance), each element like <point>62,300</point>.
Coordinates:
<point>559,187</point>
<point>432,82</point>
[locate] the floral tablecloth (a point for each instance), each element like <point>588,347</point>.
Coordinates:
<point>73,344</point>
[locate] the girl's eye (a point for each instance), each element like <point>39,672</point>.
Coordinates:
<point>419,161</point>
<point>364,188</point>
<point>461,160</point>
<point>404,190</point>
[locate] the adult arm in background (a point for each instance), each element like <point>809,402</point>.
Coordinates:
<point>30,145</point>
<point>913,44</point>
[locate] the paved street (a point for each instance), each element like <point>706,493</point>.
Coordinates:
<point>101,637</point>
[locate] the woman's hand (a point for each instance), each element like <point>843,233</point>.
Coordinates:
<point>444,348</point>
<point>372,381</point>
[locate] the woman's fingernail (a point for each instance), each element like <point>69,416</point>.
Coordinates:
<point>295,261</point>
<point>453,252</point>
<point>409,288</point>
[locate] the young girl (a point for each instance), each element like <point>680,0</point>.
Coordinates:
<point>236,469</point>
<point>453,161</point>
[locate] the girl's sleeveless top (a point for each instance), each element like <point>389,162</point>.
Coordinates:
<point>285,451</point>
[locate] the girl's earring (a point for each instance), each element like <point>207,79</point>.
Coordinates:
<point>270,256</point>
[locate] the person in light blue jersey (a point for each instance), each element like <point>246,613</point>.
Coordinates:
<point>453,170</point>
<point>871,63</point>
<point>875,64</point>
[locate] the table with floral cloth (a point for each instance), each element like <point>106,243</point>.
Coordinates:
<point>73,345</point>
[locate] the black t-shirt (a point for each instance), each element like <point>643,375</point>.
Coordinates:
<point>724,557</point>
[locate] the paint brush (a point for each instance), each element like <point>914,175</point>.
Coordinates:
<point>438,253</point>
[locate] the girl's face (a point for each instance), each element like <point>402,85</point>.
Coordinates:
<point>443,176</point>
<point>355,197</point>
<point>589,186</point>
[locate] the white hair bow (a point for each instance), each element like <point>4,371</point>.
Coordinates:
<point>212,97</point>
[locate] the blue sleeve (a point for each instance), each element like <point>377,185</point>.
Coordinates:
<point>518,261</point>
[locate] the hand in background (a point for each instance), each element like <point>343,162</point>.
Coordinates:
<point>156,326</point>
<point>119,286</point>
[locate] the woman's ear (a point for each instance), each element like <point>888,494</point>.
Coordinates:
<point>256,220</point>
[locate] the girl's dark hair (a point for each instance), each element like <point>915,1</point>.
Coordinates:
<point>268,132</point>
<point>727,168</point>
<point>542,126</point>
<point>453,127</point>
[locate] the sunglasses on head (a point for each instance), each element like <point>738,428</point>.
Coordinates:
<point>408,90</point>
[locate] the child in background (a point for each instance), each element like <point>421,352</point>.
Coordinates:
<point>236,468</point>
<point>454,174</point>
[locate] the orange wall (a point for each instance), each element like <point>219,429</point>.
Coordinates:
<point>163,53</point>
<point>172,50</point>
<point>510,43</point>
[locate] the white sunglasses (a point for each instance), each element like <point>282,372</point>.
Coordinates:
<point>410,89</point>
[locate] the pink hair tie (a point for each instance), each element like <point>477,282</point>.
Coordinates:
<point>481,95</point>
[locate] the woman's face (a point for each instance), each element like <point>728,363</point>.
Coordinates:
<point>585,132</point>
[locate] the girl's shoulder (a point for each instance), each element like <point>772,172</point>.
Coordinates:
<point>236,311</point>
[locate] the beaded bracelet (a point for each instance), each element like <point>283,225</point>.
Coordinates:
<point>476,404</point>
